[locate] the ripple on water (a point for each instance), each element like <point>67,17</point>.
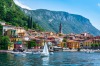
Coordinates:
<point>57,59</point>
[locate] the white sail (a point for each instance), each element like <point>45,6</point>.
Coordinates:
<point>45,51</point>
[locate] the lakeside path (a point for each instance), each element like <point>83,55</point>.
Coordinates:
<point>4,50</point>
<point>82,50</point>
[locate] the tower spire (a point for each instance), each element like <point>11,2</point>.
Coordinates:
<point>60,28</point>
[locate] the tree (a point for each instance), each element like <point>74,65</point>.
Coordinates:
<point>95,46</point>
<point>92,45</point>
<point>32,44</point>
<point>5,41</point>
<point>9,16</point>
<point>1,27</point>
<point>2,10</point>
<point>30,23</point>
<point>65,40</point>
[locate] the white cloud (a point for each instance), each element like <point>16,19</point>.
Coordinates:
<point>99,4</point>
<point>21,5</point>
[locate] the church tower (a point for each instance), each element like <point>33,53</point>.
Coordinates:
<point>60,28</point>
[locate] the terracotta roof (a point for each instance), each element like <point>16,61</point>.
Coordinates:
<point>88,41</point>
<point>78,39</point>
<point>71,41</point>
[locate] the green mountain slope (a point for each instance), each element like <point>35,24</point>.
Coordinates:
<point>12,14</point>
<point>71,23</point>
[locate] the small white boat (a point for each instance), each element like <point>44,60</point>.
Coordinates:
<point>15,52</point>
<point>89,51</point>
<point>45,51</point>
<point>27,52</point>
<point>37,52</point>
<point>18,53</point>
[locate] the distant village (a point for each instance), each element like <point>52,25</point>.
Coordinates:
<point>56,41</point>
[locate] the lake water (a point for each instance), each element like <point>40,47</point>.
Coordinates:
<point>57,59</point>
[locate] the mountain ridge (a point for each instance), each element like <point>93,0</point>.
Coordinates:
<point>71,23</point>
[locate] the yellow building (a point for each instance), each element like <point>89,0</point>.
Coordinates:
<point>87,43</point>
<point>19,30</point>
<point>61,44</point>
<point>72,44</point>
<point>11,47</point>
<point>15,39</point>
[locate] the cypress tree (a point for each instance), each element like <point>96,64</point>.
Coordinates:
<point>29,22</point>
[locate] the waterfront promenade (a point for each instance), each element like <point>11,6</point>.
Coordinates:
<point>66,50</point>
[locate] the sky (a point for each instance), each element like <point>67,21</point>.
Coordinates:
<point>87,8</point>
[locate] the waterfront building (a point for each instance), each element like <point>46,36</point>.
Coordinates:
<point>96,42</point>
<point>87,44</point>
<point>6,28</point>
<point>11,47</point>
<point>61,44</point>
<point>18,45</point>
<point>25,41</point>
<point>20,31</point>
<point>15,39</point>
<point>72,44</point>
<point>3,23</point>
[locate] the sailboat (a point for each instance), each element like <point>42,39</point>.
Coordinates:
<point>45,51</point>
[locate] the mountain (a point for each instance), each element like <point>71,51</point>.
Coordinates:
<point>49,20</point>
<point>71,23</point>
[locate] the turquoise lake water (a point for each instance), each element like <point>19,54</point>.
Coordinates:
<point>57,59</point>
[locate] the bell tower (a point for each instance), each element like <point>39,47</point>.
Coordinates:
<point>60,28</point>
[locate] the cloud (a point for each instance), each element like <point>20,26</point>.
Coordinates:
<point>21,5</point>
<point>99,4</point>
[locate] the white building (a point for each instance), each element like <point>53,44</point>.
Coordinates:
<point>2,23</point>
<point>7,27</point>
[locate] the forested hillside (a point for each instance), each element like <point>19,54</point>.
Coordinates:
<point>11,14</point>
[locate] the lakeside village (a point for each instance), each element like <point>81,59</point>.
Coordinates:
<point>34,40</point>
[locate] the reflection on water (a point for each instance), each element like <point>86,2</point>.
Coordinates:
<point>57,59</point>
<point>20,54</point>
<point>45,60</point>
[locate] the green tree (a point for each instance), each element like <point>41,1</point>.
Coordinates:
<point>9,16</point>
<point>4,43</point>
<point>1,27</point>
<point>92,45</point>
<point>2,10</point>
<point>30,22</point>
<point>32,44</point>
<point>65,40</point>
<point>96,45</point>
